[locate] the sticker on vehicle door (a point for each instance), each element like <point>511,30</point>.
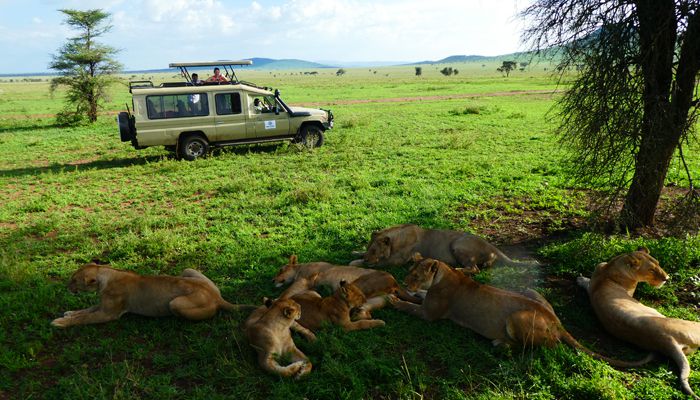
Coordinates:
<point>270,124</point>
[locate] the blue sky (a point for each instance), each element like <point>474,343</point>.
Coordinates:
<point>153,33</point>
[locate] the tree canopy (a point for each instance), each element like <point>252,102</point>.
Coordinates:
<point>85,67</point>
<point>632,105</point>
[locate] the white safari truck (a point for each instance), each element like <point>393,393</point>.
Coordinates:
<point>190,117</point>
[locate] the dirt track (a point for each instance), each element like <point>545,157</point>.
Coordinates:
<point>351,101</point>
<point>428,98</point>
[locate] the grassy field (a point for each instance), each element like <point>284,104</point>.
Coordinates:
<point>466,152</point>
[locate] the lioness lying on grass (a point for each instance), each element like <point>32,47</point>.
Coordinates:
<point>395,246</point>
<point>502,316</point>
<point>315,310</point>
<point>611,288</point>
<point>268,331</point>
<point>190,295</point>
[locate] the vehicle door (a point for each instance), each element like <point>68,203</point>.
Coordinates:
<point>230,120</point>
<point>267,116</point>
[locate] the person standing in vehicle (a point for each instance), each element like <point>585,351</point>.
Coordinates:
<point>217,77</point>
<point>195,80</point>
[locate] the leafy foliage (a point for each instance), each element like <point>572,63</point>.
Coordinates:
<point>631,105</point>
<point>507,67</point>
<point>86,67</point>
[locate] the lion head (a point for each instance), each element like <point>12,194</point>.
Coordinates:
<point>287,273</point>
<point>288,308</point>
<point>379,248</point>
<point>84,279</point>
<point>351,294</point>
<point>638,266</point>
<point>422,274</point>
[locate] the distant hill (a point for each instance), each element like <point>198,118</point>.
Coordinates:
<point>270,63</point>
<point>520,56</point>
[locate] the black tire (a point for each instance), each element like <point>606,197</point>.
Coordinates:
<point>125,127</point>
<point>311,136</point>
<point>192,147</point>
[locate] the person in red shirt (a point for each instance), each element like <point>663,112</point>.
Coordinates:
<point>217,77</point>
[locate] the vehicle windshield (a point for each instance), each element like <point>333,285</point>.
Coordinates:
<point>269,103</point>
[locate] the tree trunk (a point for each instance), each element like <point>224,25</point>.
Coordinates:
<point>652,164</point>
<point>659,136</point>
<point>666,106</point>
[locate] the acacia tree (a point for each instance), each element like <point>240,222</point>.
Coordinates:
<point>506,67</point>
<point>85,67</point>
<point>632,105</point>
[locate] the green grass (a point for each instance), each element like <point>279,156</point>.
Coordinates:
<point>77,194</point>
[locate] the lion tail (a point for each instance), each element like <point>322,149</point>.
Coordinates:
<point>225,305</point>
<point>571,341</point>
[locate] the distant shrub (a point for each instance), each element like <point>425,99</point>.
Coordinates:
<point>353,122</point>
<point>419,71</point>
<point>469,110</point>
<point>340,72</point>
<point>447,71</point>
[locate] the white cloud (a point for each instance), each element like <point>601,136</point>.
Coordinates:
<point>152,33</point>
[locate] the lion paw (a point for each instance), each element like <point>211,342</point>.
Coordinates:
<point>357,262</point>
<point>62,322</point>
<point>583,282</point>
<point>392,299</point>
<point>304,368</point>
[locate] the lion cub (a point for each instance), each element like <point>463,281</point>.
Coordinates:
<point>611,288</point>
<point>268,331</point>
<point>335,309</point>
<point>190,295</point>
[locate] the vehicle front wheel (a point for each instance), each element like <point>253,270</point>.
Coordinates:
<point>311,136</point>
<point>193,147</point>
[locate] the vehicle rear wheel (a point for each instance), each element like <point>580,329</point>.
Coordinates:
<point>311,136</point>
<point>193,147</point>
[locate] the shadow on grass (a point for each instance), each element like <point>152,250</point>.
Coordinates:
<point>33,127</point>
<point>97,164</point>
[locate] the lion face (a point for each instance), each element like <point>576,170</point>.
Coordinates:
<point>351,294</point>
<point>379,249</point>
<point>287,273</point>
<point>289,308</point>
<point>646,268</point>
<point>84,279</point>
<point>422,274</point>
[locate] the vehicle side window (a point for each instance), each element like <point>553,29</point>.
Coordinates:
<point>228,103</point>
<point>177,106</point>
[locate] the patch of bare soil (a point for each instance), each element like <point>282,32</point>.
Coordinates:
<point>516,223</point>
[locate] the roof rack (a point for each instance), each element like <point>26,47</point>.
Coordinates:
<point>226,64</point>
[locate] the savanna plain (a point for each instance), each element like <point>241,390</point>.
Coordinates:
<point>476,152</point>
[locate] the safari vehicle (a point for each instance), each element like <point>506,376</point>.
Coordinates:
<point>189,118</point>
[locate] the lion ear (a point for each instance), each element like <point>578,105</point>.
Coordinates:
<point>434,266</point>
<point>416,257</point>
<point>288,312</point>
<point>386,240</point>
<point>267,302</point>
<point>90,281</point>
<point>344,288</point>
<point>643,249</point>
<point>293,259</point>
